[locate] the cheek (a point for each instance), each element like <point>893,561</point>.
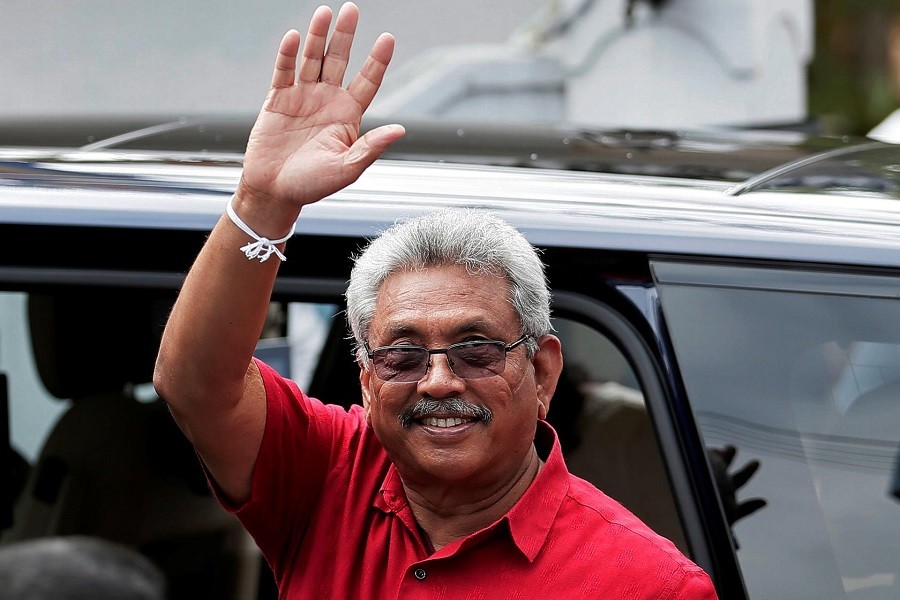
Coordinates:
<point>525,386</point>
<point>387,399</point>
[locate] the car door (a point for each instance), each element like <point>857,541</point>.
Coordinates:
<point>799,368</point>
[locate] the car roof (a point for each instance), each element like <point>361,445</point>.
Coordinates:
<point>774,213</point>
<point>724,154</point>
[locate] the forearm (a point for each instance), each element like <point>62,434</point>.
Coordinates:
<point>214,326</point>
<point>304,146</point>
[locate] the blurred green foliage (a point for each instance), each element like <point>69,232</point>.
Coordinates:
<point>854,79</point>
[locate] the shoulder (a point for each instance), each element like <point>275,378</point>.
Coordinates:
<point>285,399</point>
<point>611,527</point>
<point>316,435</point>
<point>597,548</point>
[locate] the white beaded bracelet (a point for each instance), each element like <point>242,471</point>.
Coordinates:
<point>263,247</point>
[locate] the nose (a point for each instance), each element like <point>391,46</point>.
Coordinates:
<point>440,381</point>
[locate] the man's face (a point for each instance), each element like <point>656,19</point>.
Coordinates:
<point>434,308</point>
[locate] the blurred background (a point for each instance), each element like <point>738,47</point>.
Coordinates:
<point>837,68</point>
<point>854,78</point>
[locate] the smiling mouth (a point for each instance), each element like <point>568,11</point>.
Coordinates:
<point>444,421</point>
<point>449,412</point>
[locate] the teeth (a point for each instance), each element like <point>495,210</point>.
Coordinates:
<point>441,422</point>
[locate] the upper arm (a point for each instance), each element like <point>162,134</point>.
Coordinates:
<point>228,441</point>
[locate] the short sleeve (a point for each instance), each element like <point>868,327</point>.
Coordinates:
<point>694,585</point>
<point>296,455</point>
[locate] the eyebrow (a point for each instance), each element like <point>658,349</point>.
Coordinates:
<point>476,325</point>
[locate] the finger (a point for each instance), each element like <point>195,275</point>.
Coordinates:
<point>314,47</point>
<point>748,507</point>
<point>367,148</point>
<point>286,62</point>
<point>728,453</point>
<point>338,54</point>
<point>744,474</point>
<point>366,83</point>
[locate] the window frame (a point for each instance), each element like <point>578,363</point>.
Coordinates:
<point>678,438</point>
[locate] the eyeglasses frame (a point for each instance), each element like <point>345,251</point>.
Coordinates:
<point>370,353</point>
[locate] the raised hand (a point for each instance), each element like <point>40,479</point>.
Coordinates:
<point>305,144</point>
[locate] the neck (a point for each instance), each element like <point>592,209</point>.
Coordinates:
<point>453,512</point>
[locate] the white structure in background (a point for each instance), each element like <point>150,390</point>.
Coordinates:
<point>888,130</point>
<point>683,63</point>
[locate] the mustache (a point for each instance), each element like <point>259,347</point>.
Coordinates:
<point>456,406</point>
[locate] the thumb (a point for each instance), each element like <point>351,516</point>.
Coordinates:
<point>367,148</point>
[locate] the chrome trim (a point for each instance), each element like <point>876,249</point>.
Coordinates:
<point>759,180</point>
<point>552,207</point>
<point>137,134</point>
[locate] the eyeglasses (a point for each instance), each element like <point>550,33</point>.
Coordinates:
<point>469,360</point>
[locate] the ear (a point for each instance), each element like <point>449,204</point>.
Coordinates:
<point>365,379</point>
<point>548,364</point>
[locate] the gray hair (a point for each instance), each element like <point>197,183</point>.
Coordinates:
<point>75,567</point>
<point>476,239</point>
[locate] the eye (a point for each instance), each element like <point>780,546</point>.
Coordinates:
<point>478,354</point>
<point>399,359</point>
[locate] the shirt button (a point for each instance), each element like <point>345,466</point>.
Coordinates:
<point>420,574</point>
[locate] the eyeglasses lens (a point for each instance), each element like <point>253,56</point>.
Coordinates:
<point>469,361</point>
<point>400,364</point>
<point>473,361</point>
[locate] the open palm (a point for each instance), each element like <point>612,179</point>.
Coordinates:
<point>305,144</point>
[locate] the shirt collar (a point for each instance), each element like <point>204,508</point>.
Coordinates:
<point>529,521</point>
<point>532,517</point>
<point>391,496</point>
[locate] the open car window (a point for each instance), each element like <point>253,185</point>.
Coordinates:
<point>605,429</point>
<point>95,451</point>
<point>599,410</point>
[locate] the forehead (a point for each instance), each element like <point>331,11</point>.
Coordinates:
<point>446,298</point>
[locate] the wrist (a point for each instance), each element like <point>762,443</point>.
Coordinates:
<point>261,247</point>
<point>262,212</point>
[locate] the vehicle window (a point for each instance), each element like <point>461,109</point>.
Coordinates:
<point>291,342</point>
<point>90,435</point>
<point>94,451</point>
<point>294,336</point>
<point>605,430</point>
<point>598,410</point>
<point>800,371</point>
<point>32,409</point>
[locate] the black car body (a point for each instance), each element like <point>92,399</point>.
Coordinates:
<point>728,301</point>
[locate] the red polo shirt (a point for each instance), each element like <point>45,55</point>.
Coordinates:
<point>328,510</point>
